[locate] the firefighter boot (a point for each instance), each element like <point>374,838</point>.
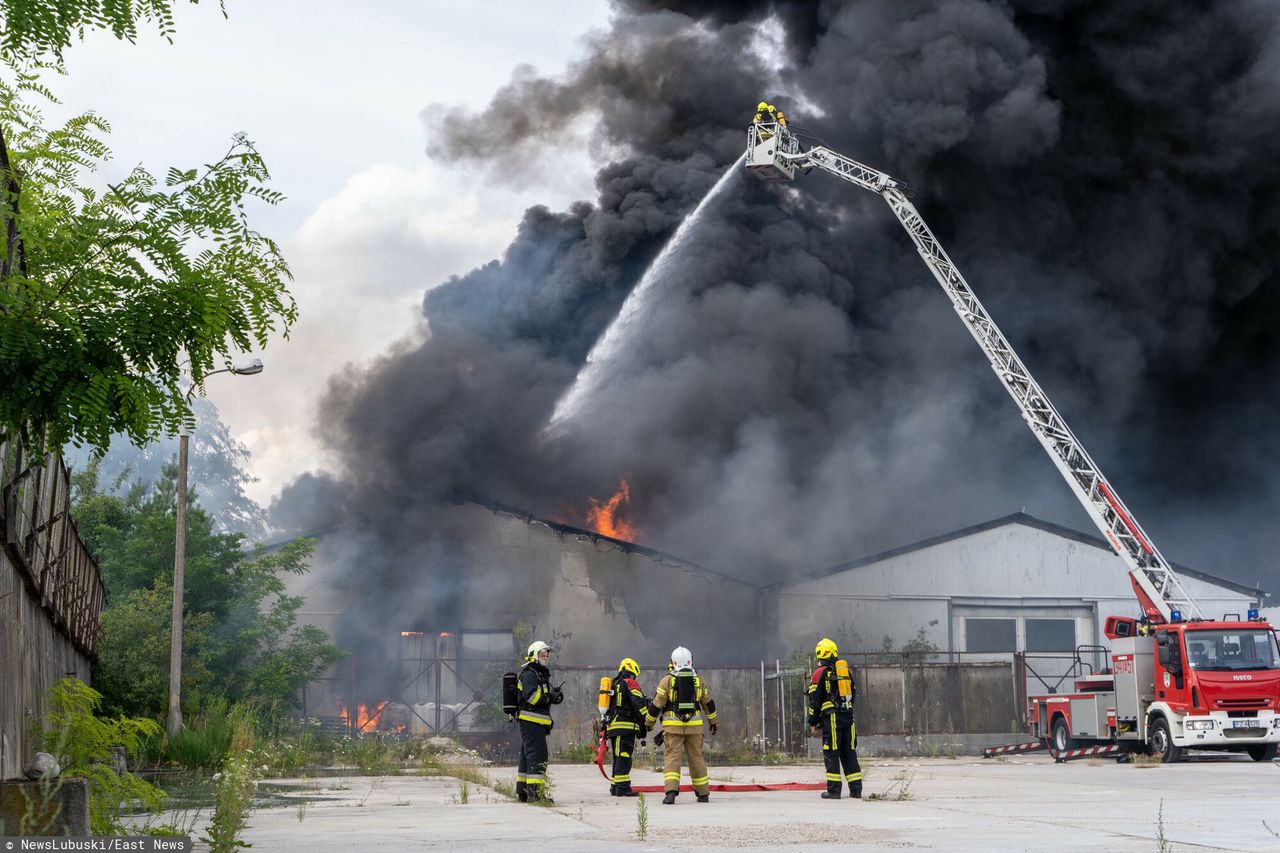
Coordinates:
<point>855,790</point>
<point>828,795</point>
<point>670,798</point>
<point>704,798</point>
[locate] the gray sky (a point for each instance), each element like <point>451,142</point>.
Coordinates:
<point>333,94</point>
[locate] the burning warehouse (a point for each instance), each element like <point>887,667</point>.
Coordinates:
<point>441,640</point>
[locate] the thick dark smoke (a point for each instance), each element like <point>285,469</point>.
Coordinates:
<point>803,394</point>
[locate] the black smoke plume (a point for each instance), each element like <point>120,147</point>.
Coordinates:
<point>802,393</point>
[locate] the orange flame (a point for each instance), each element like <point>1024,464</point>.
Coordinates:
<point>362,717</point>
<point>603,517</point>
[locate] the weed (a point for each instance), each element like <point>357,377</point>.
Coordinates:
<point>464,792</point>
<point>236,781</point>
<point>578,753</point>
<point>1139,759</point>
<point>929,748</point>
<point>302,803</point>
<point>1162,842</point>
<point>376,754</point>
<point>467,773</point>
<point>642,817</point>
<point>367,794</point>
<point>504,789</point>
<point>899,788</point>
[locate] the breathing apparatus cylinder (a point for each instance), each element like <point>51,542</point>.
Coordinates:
<point>510,694</point>
<point>605,695</point>
<point>844,683</point>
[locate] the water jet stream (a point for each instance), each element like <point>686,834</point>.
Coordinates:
<point>610,345</point>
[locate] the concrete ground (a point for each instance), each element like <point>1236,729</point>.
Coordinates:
<point>1022,803</point>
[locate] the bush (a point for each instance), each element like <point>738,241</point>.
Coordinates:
<point>83,743</point>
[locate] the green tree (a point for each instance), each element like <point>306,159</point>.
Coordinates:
<point>132,671</point>
<point>244,639</point>
<point>39,28</point>
<point>107,299</point>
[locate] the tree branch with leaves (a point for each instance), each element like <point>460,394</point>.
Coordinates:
<point>125,290</point>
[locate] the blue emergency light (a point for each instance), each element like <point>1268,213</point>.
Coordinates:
<point>1175,615</point>
<point>1253,614</point>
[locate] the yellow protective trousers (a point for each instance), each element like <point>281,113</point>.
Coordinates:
<point>688,745</point>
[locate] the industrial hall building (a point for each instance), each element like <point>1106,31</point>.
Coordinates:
<point>1013,584</point>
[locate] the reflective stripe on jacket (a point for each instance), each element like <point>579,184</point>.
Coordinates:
<point>535,694</point>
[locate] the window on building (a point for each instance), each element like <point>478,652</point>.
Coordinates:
<point>1051,635</point>
<point>991,635</point>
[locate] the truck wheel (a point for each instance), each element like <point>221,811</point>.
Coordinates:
<point>1161,742</point>
<point>1263,751</point>
<point>1061,738</point>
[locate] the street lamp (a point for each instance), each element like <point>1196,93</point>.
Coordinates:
<point>247,368</point>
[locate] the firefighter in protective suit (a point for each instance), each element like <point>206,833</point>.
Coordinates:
<point>831,693</point>
<point>682,702</point>
<point>536,698</point>
<point>626,724</point>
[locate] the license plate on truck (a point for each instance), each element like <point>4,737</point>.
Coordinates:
<point>1245,724</point>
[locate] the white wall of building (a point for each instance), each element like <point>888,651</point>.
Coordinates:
<point>1012,571</point>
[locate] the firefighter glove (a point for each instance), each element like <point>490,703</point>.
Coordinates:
<point>657,739</point>
<point>713,728</point>
<point>557,695</point>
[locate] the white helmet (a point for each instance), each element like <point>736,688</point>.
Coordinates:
<point>681,658</point>
<point>535,647</point>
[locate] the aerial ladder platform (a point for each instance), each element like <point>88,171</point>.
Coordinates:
<point>1177,680</point>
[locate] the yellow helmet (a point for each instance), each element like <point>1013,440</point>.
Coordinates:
<point>629,665</point>
<point>825,649</point>
<point>762,106</point>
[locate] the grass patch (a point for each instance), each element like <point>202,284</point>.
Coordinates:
<point>206,739</point>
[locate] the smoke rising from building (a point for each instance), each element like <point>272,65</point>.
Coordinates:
<point>1101,172</point>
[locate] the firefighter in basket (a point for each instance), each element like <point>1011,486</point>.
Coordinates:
<point>683,703</point>
<point>535,698</point>
<point>765,119</point>
<point>622,705</point>
<point>831,693</point>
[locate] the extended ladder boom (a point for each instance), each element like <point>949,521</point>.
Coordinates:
<point>774,154</point>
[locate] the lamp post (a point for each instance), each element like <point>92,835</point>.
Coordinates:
<point>248,368</point>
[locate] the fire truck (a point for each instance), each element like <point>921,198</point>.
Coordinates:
<point>1176,680</point>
